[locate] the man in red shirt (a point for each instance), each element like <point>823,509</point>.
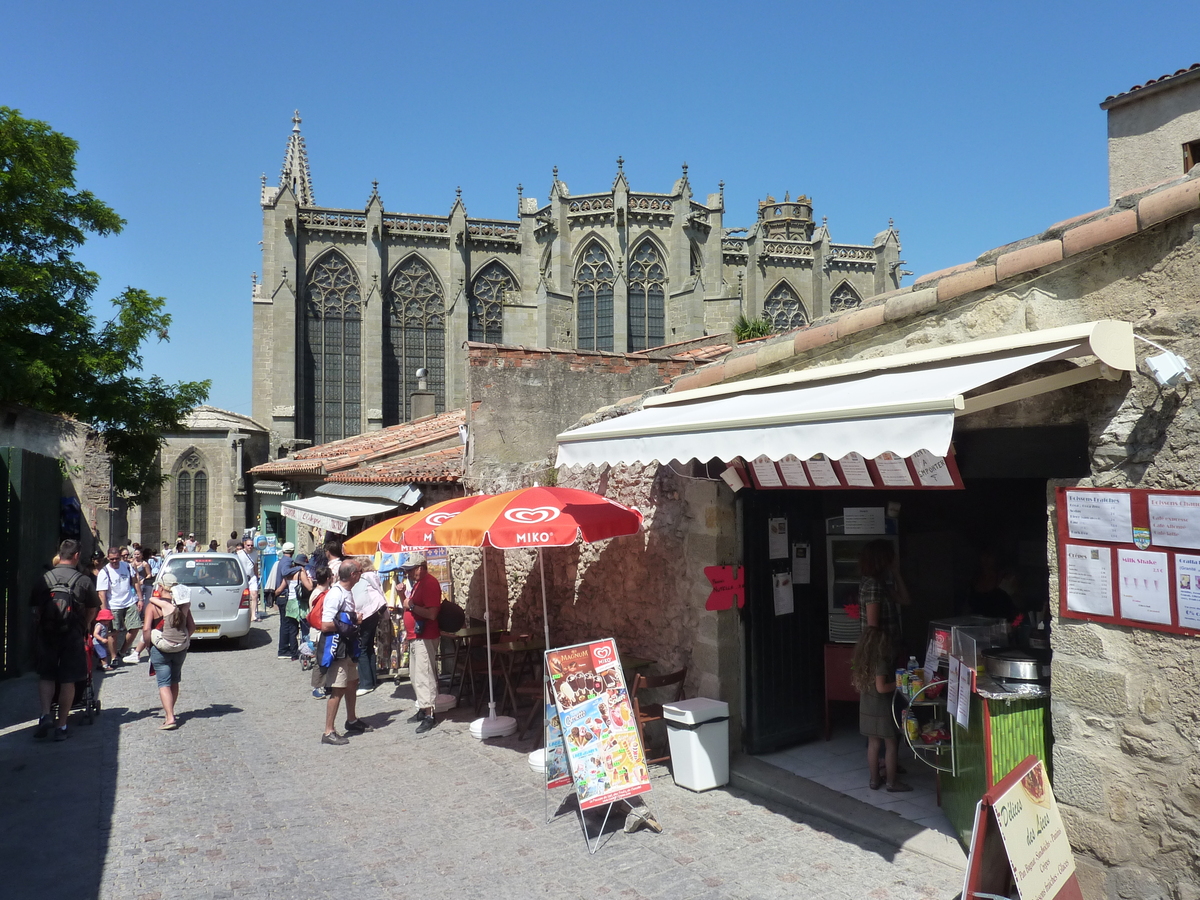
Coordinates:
<point>420,623</point>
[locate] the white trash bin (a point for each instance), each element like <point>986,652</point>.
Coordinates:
<point>698,732</point>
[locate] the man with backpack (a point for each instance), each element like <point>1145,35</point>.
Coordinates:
<point>66,604</point>
<point>339,652</point>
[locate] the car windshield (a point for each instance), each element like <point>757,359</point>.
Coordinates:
<point>206,572</point>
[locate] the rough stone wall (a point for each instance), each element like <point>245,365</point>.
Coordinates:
<point>648,591</point>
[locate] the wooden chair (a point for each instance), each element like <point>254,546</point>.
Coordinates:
<point>644,712</point>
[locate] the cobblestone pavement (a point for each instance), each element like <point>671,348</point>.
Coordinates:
<point>243,801</point>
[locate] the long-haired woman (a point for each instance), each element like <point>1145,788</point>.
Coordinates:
<point>171,616</point>
<point>872,675</point>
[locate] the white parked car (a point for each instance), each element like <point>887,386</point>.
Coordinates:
<point>218,590</point>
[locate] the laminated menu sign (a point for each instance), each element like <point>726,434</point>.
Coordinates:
<point>1187,590</point>
<point>777,538</point>
<point>792,470</point>
<point>1089,579</point>
<point>1144,586</point>
<point>932,470</point>
<point>603,751</point>
<point>1175,520</point>
<point>765,472</point>
<point>1099,516</point>
<point>893,470</point>
<point>854,468</point>
<point>863,520</point>
<point>820,470</point>
<point>785,602</point>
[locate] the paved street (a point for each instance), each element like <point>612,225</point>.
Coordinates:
<point>243,801</point>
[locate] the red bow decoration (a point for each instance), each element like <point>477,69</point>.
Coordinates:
<point>728,584</point>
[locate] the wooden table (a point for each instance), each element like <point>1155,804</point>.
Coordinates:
<point>510,656</point>
<point>462,671</point>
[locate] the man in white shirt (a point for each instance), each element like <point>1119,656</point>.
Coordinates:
<point>338,655</point>
<point>117,588</point>
<point>248,557</point>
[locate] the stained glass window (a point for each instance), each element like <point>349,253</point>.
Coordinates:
<point>191,496</point>
<point>594,300</point>
<point>485,305</point>
<point>414,338</point>
<point>783,309</point>
<point>647,297</point>
<point>845,297</point>
<point>333,325</point>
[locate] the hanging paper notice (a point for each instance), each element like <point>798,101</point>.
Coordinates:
<point>1099,516</point>
<point>1175,520</point>
<point>893,470</point>
<point>777,542</point>
<point>801,563</point>
<point>1088,571</point>
<point>603,751</point>
<point>952,687</point>
<point>962,715</point>
<point>784,602</point>
<point>863,519</point>
<point>792,470</point>
<point>932,471</point>
<point>766,473</point>
<point>1187,590</point>
<point>820,470</point>
<point>1145,589</point>
<point>1038,849</point>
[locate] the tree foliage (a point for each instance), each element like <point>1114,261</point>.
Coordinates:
<point>53,356</point>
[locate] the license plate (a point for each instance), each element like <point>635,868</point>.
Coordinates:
<point>207,629</point>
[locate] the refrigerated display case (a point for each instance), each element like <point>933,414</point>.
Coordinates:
<point>842,551</point>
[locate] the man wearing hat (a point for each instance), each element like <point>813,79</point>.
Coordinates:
<point>420,623</point>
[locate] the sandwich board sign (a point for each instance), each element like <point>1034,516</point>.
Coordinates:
<point>1019,838</point>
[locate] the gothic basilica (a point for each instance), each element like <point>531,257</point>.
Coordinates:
<point>352,302</point>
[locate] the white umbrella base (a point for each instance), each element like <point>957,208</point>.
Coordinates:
<point>500,726</point>
<point>537,760</point>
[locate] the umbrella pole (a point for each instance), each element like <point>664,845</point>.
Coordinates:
<point>491,725</point>
<point>545,615</point>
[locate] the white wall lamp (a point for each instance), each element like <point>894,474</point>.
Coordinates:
<point>1167,368</point>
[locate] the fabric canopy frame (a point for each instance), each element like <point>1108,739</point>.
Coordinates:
<point>902,403</point>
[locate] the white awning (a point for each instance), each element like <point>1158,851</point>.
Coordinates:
<point>331,513</point>
<point>901,403</point>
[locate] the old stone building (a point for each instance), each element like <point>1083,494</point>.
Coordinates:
<point>206,492</point>
<point>353,302</point>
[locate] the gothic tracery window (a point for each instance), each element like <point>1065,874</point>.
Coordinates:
<point>845,297</point>
<point>647,297</point>
<point>594,300</point>
<point>784,310</point>
<point>485,304</point>
<point>414,338</point>
<point>191,496</point>
<point>333,332</point>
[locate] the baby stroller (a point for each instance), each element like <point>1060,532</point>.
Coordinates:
<point>308,657</point>
<point>85,691</point>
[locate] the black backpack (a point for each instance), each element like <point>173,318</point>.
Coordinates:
<point>450,617</point>
<point>61,611</point>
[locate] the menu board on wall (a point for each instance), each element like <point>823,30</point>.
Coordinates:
<point>1116,558</point>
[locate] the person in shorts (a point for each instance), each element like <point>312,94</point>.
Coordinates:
<point>118,588</point>
<point>339,654</point>
<point>170,613</point>
<point>62,648</point>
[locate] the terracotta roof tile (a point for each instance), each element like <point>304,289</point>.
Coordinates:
<point>437,465</point>
<point>1159,80</point>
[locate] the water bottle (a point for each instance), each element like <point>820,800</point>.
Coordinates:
<point>913,665</point>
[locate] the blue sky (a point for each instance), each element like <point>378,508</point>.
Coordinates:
<point>970,124</point>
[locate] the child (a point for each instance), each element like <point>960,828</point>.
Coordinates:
<point>102,639</point>
<point>875,680</point>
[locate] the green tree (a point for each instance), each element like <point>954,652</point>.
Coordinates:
<point>53,356</point>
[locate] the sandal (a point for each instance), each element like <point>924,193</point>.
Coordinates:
<point>875,784</point>
<point>171,726</point>
<point>897,787</point>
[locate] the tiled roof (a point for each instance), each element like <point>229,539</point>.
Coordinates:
<point>1130,214</point>
<point>439,465</point>
<point>210,418</point>
<point>397,440</point>
<point>1194,69</point>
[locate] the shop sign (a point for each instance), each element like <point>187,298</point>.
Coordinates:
<point>316,520</point>
<point>1021,809</point>
<point>603,751</point>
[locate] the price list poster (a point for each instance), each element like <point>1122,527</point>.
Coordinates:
<point>1130,557</point>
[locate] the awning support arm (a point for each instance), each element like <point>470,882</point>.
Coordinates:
<point>1038,386</point>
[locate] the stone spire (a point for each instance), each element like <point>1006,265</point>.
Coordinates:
<point>295,172</point>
